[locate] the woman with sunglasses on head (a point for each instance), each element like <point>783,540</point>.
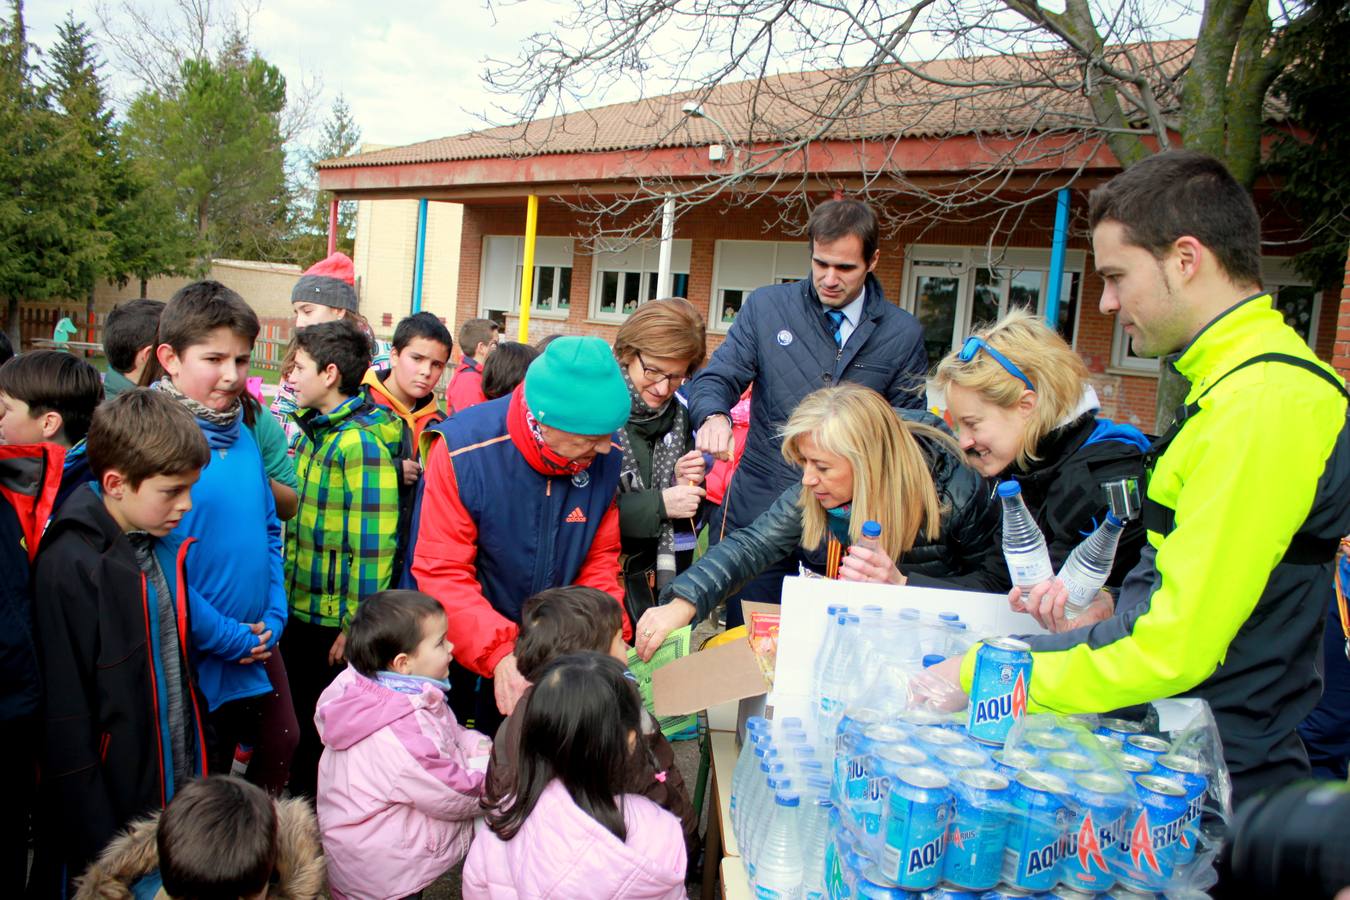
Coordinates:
<point>660,345</point>
<point>1020,401</point>
<point>861,460</point>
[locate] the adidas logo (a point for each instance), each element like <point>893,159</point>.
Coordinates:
<point>576,515</point>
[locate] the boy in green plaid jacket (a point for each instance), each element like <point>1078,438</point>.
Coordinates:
<point>340,547</point>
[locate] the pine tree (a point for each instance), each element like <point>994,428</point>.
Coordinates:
<point>50,243</point>
<point>341,137</point>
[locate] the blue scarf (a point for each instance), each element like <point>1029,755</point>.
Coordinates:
<point>838,521</point>
<point>409,684</point>
<point>221,428</point>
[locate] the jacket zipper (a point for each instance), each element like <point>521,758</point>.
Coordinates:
<point>154,692</point>
<point>184,633</point>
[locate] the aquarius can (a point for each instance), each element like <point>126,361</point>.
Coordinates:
<point>1153,837</point>
<point>1035,828</point>
<point>1101,806</point>
<point>979,829</point>
<point>887,762</point>
<point>916,828</point>
<point>962,758</point>
<point>1044,741</point>
<point>919,716</point>
<point>1009,761</point>
<point>1146,746</point>
<point>1119,729</point>
<point>1132,766</point>
<point>998,694</point>
<point>848,735</point>
<point>861,767</point>
<point>931,739</point>
<point>1068,764</point>
<point>1191,773</point>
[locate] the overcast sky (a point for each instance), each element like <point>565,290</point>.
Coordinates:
<point>410,71</point>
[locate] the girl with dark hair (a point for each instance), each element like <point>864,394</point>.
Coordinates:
<point>566,828</point>
<point>505,368</point>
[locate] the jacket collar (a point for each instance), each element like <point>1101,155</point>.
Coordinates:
<point>316,424</point>
<point>380,393</point>
<point>470,364</point>
<point>1226,341</point>
<point>540,458</point>
<point>873,299</point>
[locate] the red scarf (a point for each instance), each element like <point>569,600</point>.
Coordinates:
<point>525,435</point>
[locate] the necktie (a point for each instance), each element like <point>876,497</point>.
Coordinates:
<point>836,317</point>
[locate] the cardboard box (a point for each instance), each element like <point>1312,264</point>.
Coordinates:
<point>725,680</point>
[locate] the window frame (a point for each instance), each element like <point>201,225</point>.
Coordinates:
<point>961,262</point>
<point>782,269</point>
<point>647,266</point>
<point>552,249</point>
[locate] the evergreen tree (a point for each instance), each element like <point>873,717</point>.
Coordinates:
<point>144,236</point>
<point>1312,164</point>
<point>341,137</point>
<point>50,243</point>
<point>216,143</point>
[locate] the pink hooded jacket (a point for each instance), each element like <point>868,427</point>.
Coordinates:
<point>561,852</point>
<point>396,794</point>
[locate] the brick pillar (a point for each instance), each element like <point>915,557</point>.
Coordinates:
<point>1341,357</point>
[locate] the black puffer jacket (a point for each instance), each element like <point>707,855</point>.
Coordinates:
<point>968,534</point>
<point>1063,491</point>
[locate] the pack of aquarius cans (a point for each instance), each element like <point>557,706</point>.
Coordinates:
<point>994,803</point>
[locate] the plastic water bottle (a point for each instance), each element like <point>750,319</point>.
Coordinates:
<point>769,766</point>
<point>832,632</point>
<point>838,675</point>
<point>815,833</point>
<point>958,639</point>
<point>907,636</point>
<point>1023,544</point>
<point>1087,568</point>
<point>758,827</point>
<point>756,732</point>
<point>870,537</point>
<point>778,871</point>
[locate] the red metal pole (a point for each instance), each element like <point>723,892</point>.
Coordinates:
<point>332,226</point>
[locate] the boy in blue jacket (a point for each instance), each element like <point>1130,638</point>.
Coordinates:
<point>206,339</point>
<point>121,721</point>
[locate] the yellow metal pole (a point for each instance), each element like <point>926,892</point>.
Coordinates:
<point>527,273</point>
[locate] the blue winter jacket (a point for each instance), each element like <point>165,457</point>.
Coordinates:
<point>236,569</point>
<point>783,342</point>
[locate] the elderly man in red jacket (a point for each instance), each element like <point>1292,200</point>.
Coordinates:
<point>519,496</point>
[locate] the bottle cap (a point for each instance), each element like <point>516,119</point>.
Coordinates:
<point>787,798</point>
<point>932,659</point>
<point>949,617</point>
<point>835,609</point>
<point>871,529</point>
<point>1009,488</point>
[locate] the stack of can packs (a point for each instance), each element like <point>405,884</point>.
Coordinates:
<point>993,803</point>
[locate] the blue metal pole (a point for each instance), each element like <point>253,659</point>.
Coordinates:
<point>421,257</point>
<point>1057,258</point>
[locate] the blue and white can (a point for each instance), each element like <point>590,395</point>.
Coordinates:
<point>1101,806</point>
<point>998,694</point>
<point>1192,773</point>
<point>1035,830</point>
<point>1150,857</point>
<point>979,829</point>
<point>916,828</point>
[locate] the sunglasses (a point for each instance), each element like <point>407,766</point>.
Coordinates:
<point>974,345</point>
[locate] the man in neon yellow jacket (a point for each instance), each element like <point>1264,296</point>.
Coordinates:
<point>1246,501</point>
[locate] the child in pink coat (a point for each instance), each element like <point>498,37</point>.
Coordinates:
<point>399,779</point>
<point>565,828</point>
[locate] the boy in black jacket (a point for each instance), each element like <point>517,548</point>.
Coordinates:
<point>120,716</point>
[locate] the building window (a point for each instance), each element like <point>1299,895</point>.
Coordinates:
<point>627,275</point>
<point>954,290</point>
<point>503,266</point>
<point>741,266</point>
<point>1300,303</point>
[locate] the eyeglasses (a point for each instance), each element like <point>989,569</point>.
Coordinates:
<point>974,345</point>
<point>656,376</point>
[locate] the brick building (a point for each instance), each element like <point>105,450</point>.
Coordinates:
<point>951,275</point>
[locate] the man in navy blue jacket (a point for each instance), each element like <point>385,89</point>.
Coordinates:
<point>790,340</point>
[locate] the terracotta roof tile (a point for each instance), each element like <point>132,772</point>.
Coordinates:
<point>957,96</point>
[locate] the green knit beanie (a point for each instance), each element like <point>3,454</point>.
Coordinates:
<point>575,386</point>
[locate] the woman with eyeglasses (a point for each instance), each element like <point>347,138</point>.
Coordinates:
<point>1020,401</point>
<point>860,460</point>
<point>660,345</point>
